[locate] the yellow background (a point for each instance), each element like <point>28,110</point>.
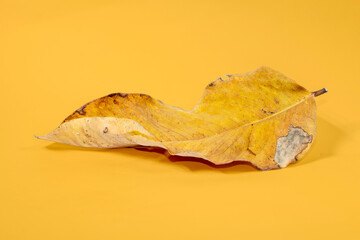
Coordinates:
<point>57,55</point>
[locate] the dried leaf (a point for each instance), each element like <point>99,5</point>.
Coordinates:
<point>262,117</point>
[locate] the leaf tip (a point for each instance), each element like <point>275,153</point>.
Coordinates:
<point>38,137</point>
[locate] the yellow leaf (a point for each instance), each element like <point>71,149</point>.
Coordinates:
<point>262,117</point>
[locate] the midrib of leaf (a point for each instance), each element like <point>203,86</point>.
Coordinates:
<point>247,124</point>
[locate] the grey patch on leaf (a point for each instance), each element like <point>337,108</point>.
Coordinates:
<point>224,78</point>
<point>288,147</point>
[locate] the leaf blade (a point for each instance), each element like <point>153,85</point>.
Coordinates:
<point>238,119</point>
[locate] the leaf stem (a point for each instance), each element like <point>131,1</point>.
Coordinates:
<point>320,92</point>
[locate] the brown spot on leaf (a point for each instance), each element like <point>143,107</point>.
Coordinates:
<point>81,110</point>
<point>270,112</point>
<point>105,130</point>
<point>123,95</point>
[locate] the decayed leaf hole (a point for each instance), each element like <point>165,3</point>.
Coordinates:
<point>291,145</point>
